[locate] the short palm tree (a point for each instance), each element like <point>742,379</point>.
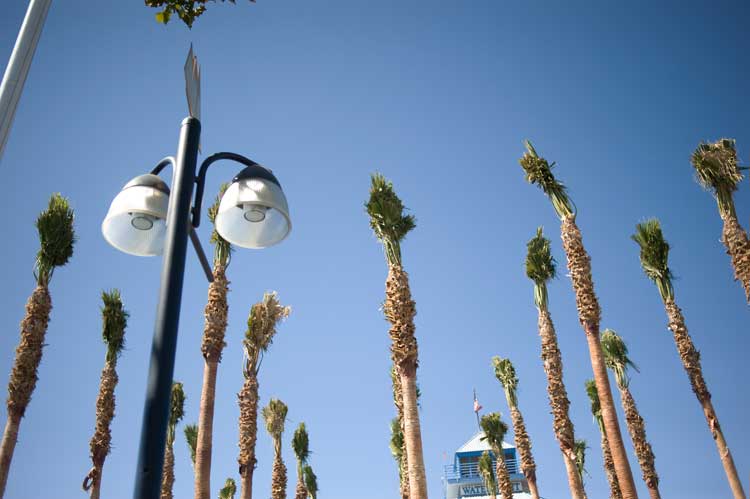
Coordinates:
<point>114,322</point>
<point>261,328</point>
<point>617,359</point>
<point>211,347</point>
<point>311,481</point>
<point>609,465</point>
<point>654,255</point>
<point>540,268</point>
<point>487,473</point>
<point>191,438</point>
<point>176,413</point>
<point>391,225</point>
<point>506,375</point>
<point>580,450</point>
<point>301,447</point>
<point>56,238</point>
<point>717,170</point>
<point>275,415</point>
<point>228,490</point>
<point>539,171</point>
<point>494,432</point>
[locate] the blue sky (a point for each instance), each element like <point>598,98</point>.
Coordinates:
<point>438,96</point>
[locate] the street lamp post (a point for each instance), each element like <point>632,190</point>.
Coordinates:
<point>146,219</point>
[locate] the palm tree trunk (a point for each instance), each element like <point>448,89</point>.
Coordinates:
<point>523,444</point>
<point>102,439</point>
<point>609,468</point>
<point>558,400</point>
<point>167,478</point>
<point>643,451</point>
<point>300,492</point>
<point>413,433</point>
<point>278,478</point>
<point>403,466</point>
<point>248,399</point>
<point>503,478</point>
<point>579,265</point>
<point>204,445</point>
<point>24,373</point>
<point>692,364</point>
<point>736,241</point>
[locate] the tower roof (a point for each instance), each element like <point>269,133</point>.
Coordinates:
<point>476,444</point>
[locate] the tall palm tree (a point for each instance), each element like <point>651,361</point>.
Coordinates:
<point>301,447</point>
<point>176,412</point>
<point>391,225</point>
<point>311,481</point>
<point>717,170</point>
<point>211,347</point>
<point>654,257</point>
<point>506,375</point>
<point>261,329</point>
<point>609,465</point>
<point>56,238</point>
<point>397,443</point>
<point>580,451</point>
<point>114,322</point>
<point>488,474</point>
<point>539,172</point>
<point>191,437</point>
<point>540,268</point>
<point>617,359</point>
<point>228,490</point>
<point>275,415</point>
<point>494,432</point>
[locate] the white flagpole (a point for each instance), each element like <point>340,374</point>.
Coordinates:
<point>19,64</point>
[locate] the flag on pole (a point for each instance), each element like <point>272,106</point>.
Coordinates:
<point>477,406</point>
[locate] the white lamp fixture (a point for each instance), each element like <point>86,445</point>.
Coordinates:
<point>136,220</point>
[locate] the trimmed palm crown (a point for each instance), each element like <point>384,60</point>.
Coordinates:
<point>387,218</point>
<point>311,481</point>
<point>56,238</point>
<point>274,414</point>
<point>717,170</point>
<point>228,490</point>
<point>616,356</point>
<point>580,452</point>
<point>506,375</point>
<point>539,172</point>
<point>191,438</point>
<point>261,328</point>
<point>114,322</point>
<point>540,266</point>
<point>494,431</point>
<point>176,409</point>
<point>488,474</point>
<point>222,248</point>
<point>654,256</point>
<point>596,408</point>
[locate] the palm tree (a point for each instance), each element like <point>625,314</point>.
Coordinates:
<point>540,268</point>
<point>261,328</point>
<point>301,446</point>
<point>539,171</point>
<point>228,490</point>
<point>191,437</point>
<point>580,451</point>
<point>275,415</point>
<point>717,170</point>
<point>176,412</point>
<point>211,347</point>
<point>506,375</point>
<point>397,443</point>
<point>390,225</point>
<point>609,465</point>
<point>311,481</point>
<point>487,474</point>
<point>616,357</point>
<point>654,255</point>
<point>56,238</point>
<point>114,322</point>
<point>494,432</point>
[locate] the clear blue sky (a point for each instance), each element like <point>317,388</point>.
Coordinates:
<point>438,96</point>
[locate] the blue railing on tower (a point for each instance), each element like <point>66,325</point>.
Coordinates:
<point>471,470</point>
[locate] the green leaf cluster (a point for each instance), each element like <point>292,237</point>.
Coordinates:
<point>114,322</point>
<point>228,490</point>
<point>311,481</point>
<point>539,172</point>
<point>616,356</point>
<point>56,237</point>
<point>506,375</point>
<point>191,437</point>
<point>596,406</point>
<point>387,217</point>
<point>654,256</point>
<point>487,472</point>
<point>187,10</point>
<point>222,248</point>
<point>540,266</point>
<point>494,431</point>
<point>717,169</point>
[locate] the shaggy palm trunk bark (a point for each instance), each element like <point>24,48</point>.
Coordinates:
<point>403,466</point>
<point>24,374</point>
<point>300,492</point>
<point>609,469</point>
<point>503,478</point>
<point>692,364</point>
<point>523,444</point>
<point>167,480</point>
<point>102,439</point>
<point>213,343</point>
<point>248,399</point>
<point>643,451</point>
<point>579,265</point>
<point>278,477</point>
<point>736,241</point>
<point>558,400</point>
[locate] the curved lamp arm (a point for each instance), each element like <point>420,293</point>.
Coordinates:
<point>169,160</point>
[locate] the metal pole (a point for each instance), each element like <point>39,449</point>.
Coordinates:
<point>19,64</point>
<point>158,391</point>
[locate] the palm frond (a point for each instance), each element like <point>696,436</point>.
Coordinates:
<point>177,405</point>
<point>655,256</point>
<point>191,437</point>
<point>616,356</point>
<point>717,169</point>
<point>579,448</point>
<point>596,407</point>
<point>494,430</point>
<point>539,171</point>
<point>114,322</point>
<point>56,237</point>
<point>487,472</point>
<point>228,490</point>
<point>222,248</point>
<point>311,481</point>
<point>506,375</point>
<point>387,218</point>
<point>301,443</point>
<point>274,415</point>
<point>540,266</point>
<point>261,327</point>
<point>396,443</point>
